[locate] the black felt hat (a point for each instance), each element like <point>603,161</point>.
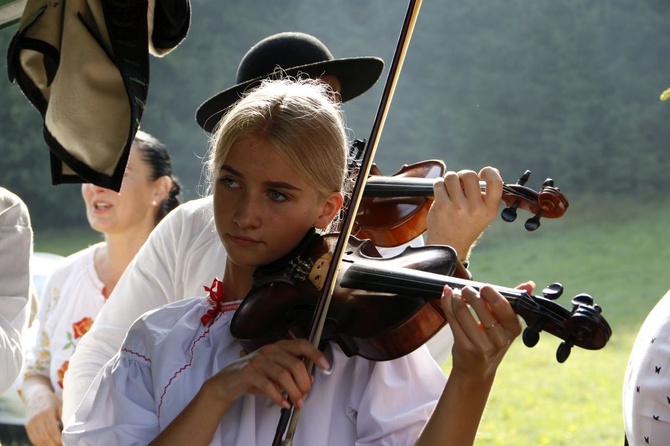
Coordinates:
<point>296,54</point>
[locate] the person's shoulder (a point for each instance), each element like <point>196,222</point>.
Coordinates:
<point>160,321</point>
<point>81,256</point>
<point>197,206</point>
<point>192,216</point>
<point>77,261</point>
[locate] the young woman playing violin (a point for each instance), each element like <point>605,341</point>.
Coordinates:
<point>181,377</point>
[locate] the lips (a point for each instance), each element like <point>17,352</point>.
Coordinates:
<point>101,205</point>
<point>243,241</point>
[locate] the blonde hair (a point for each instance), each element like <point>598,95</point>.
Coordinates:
<point>299,120</point>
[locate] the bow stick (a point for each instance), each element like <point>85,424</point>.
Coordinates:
<point>321,311</point>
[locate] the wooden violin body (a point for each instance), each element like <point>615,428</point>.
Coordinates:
<point>384,308</point>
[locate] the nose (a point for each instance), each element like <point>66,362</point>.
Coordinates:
<point>92,188</point>
<point>248,214</point>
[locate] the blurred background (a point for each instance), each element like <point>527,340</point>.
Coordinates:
<point>569,90</point>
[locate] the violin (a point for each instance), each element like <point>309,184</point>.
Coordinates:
<point>385,308</point>
<point>393,209</point>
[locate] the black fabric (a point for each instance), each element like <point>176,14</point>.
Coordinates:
<point>171,23</point>
<point>53,40</point>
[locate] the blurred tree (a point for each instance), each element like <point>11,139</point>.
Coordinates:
<point>566,89</point>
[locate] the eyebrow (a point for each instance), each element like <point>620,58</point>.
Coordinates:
<point>272,184</point>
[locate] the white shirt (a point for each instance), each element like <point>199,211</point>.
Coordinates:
<point>16,246</point>
<point>182,254</point>
<point>170,352</point>
<point>646,391</point>
<point>71,299</point>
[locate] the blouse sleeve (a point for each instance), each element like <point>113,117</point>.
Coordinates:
<point>399,399</point>
<point>121,410</point>
<point>16,238</point>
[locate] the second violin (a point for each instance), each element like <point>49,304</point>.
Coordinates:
<point>394,208</point>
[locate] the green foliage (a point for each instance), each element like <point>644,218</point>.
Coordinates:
<point>569,90</point>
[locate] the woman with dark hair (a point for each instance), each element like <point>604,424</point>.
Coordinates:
<point>77,290</point>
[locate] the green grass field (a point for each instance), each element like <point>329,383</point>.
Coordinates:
<point>616,252</point>
<point>619,255</point>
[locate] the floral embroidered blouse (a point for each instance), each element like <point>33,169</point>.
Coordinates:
<point>71,300</point>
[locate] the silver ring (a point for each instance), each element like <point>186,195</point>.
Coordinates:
<point>491,326</point>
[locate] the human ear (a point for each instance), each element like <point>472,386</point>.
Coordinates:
<point>330,209</point>
<point>162,187</point>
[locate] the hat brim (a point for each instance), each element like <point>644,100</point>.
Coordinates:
<point>356,75</point>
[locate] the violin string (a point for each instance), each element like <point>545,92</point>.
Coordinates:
<point>376,278</point>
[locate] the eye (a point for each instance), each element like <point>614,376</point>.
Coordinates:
<point>228,182</point>
<point>275,195</point>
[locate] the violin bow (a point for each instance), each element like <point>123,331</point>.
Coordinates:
<point>289,417</point>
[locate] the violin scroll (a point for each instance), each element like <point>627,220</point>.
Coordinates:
<point>549,202</point>
<point>583,326</point>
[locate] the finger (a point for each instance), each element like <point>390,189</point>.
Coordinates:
<point>470,184</point>
<point>54,432</point>
<point>458,316</point>
<point>46,433</point>
<point>298,381</point>
<point>256,382</point>
<point>302,347</point>
<point>528,287</point>
<point>494,185</point>
<point>268,374</point>
<point>487,318</point>
<point>32,435</point>
<point>281,363</point>
<point>440,191</point>
<point>37,432</point>
<point>498,308</point>
<point>453,186</point>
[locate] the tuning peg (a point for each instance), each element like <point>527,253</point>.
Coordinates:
<point>581,300</point>
<point>563,351</point>
<point>509,213</point>
<point>548,183</point>
<point>533,223</point>
<point>523,179</point>
<point>553,291</point>
<point>530,336</point>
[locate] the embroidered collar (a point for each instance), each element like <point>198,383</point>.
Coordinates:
<point>216,301</point>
